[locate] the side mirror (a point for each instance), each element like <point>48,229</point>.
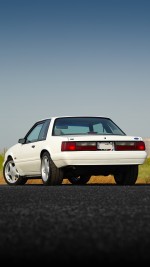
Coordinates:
<point>22,140</point>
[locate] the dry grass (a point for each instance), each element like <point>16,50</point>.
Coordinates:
<point>1,178</point>
<point>94,180</point>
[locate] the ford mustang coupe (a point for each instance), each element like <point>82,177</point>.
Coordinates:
<point>74,148</point>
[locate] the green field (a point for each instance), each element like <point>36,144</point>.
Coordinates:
<point>1,161</point>
<point>144,170</point>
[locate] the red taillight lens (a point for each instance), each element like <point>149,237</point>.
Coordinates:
<point>140,145</point>
<point>78,146</point>
<point>129,146</point>
<point>68,146</point>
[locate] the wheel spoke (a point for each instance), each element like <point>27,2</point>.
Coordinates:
<point>8,172</point>
<point>13,170</point>
<point>45,168</point>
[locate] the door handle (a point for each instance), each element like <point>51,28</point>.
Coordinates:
<point>33,146</point>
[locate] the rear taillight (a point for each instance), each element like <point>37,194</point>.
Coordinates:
<point>129,146</point>
<point>78,146</point>
<point>92,146</point>
<point>68,146</point>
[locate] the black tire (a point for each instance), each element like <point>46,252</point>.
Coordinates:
<point>127,176</point>
<point>11,174</point>
<point>79,180</point>
<point>50,174</point>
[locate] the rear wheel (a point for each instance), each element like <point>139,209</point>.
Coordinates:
<point>79,180</point>
<point>11,174</point>
<point>51,175</point>
<point>127,175</point>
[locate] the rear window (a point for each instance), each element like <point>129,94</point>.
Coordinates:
<point>85,126</point>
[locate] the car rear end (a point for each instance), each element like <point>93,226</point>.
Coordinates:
<point>99,150</point>
<point>94,141</point>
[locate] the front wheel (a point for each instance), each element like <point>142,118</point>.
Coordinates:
<point>79,180</point>
<point>127,175</point>
<point>51,175</point>
<point>11,174</point>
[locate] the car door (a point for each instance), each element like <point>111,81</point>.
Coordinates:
<point>28,156</point>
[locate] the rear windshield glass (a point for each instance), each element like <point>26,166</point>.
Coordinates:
<point>85,126</point>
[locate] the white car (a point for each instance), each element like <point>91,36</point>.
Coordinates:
<point>74,148</point>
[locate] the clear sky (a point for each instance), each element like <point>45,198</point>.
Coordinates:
<point>74,57</point>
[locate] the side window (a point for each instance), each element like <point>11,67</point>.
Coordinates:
<point>44,130</point>
<point>33,136</point>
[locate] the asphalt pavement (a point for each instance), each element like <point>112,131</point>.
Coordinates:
<point>70,224</point>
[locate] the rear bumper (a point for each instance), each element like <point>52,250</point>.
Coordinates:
<point>99,158</point>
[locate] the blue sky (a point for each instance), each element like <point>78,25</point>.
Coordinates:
<point>66,57</point>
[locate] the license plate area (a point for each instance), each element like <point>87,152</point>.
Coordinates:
<point>105,146</point>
